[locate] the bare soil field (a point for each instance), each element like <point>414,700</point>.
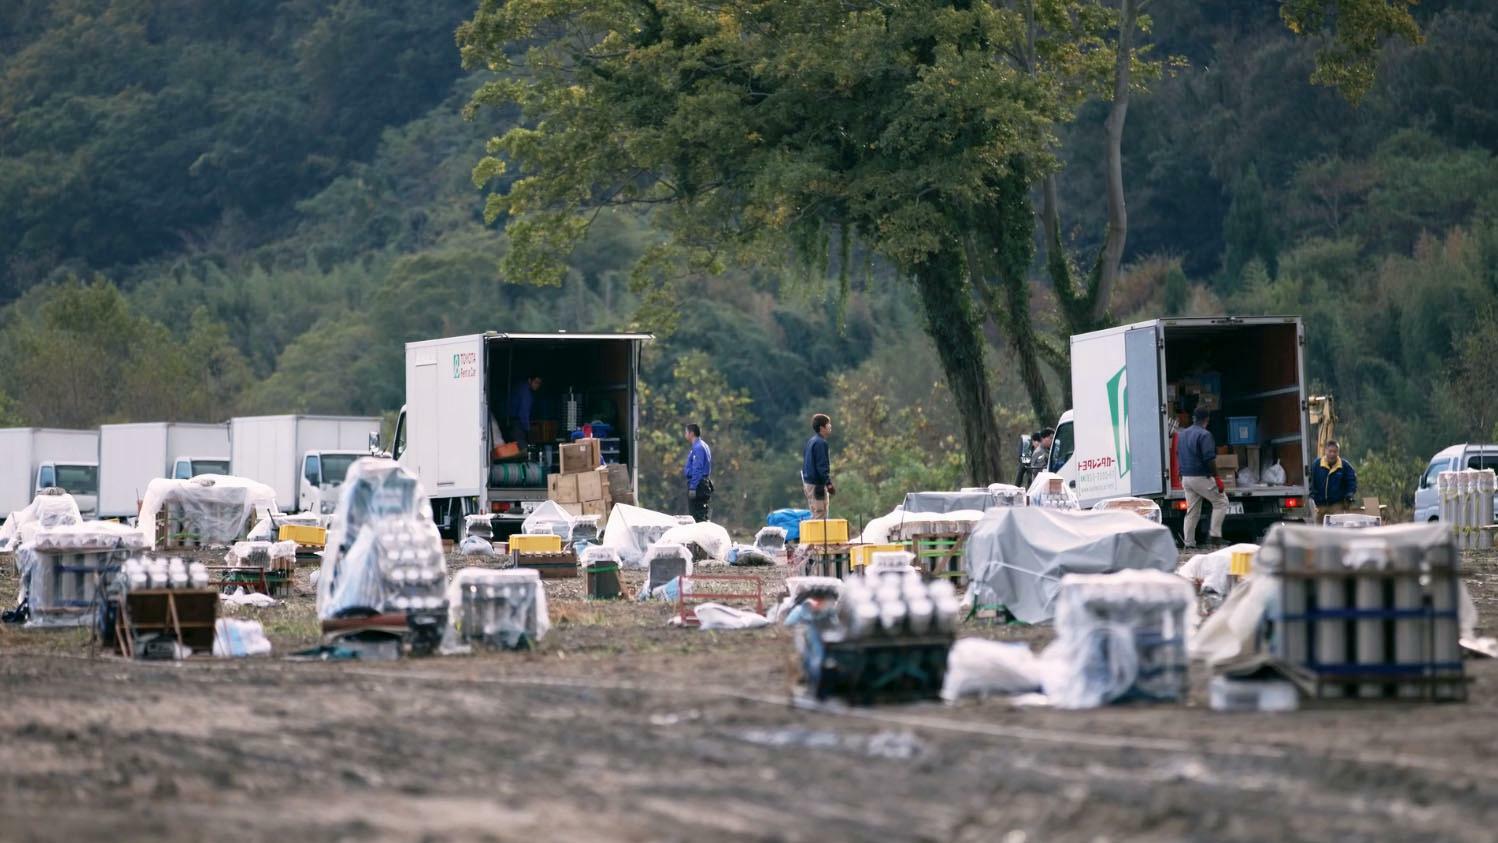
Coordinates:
<point>620,728</point>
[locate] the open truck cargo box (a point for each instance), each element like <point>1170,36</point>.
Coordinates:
<point>457,406</point>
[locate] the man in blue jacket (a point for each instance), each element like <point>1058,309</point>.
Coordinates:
<point>1196,451</point>
<point>1334,484</point>
<point>816,467</point>
<point>699,474</point>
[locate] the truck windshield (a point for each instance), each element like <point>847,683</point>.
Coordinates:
<point>209,467</point>
<point>78,479</point>
<point>335,467</point>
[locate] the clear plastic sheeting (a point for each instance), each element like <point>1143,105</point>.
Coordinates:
<point>496,609</point>
<point>1209,574</point>
<point>50,508</point>
<point>632,530</point>
<point>1143,507</point>
<point>214,508</point>
<point>1016,557</point>
<point>937,503</point>
<point>1051,491</point>
<point>1353,521</point>
<point>711,539</point>
<point>585,528</point>
<point>1005,495</point>
<point>386,554</point>
<point>262,554</point>
<point>269,529</point>
<point>978,667</point>
<point>477,546</point>
<point>89,535</point>
<point>665,562</point>
<point>770,540</point>
<point>1119,636</point>
<point>233,639</point>
<point>63,569</point>
<point>549,518</point>
<point>877,530</point>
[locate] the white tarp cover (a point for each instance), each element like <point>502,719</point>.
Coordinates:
<point>712,538</point>
<point>48,509</point>
<point>215,507</point>
<point>877,530</point>
<point>1016,557</point>
<point>549,519</point>
<point>385,554</point>
<point>632,530</point>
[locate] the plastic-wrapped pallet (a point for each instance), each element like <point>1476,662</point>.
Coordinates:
<point>1404,583</point>
<point>1119,637</point>
<point>498,609</point>
<point>1143,507</point>
<point>1051,491</point>
<point>1353,520</point>
<point>264,554</point>
<point>631,530</point>
<point>665,562</point>
<point>385,555</point>
<point>1005,495</point>
<point>214,508</point>
<point>63,568</point>
<point>50,508</point>
<point>770,540</point>
<point>585,529</point>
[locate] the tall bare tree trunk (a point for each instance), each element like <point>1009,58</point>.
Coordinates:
<point>953,326</point>
<point>1118,217</point>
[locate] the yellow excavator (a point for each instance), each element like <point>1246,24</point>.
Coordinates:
<point>1325,421</point>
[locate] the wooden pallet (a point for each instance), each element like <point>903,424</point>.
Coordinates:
<point>825,560</point>
<point>553,566</point>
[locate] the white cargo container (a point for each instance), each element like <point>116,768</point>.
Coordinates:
<point>303,458</point>
<point>132,455</point>
<point>458,391</point>
<point>1117,441</point>
<point>33,458</point>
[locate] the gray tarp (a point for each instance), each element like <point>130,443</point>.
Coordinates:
<point>1017,557</point>
<point>942,502</point>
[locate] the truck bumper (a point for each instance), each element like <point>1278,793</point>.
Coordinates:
<point>1259,514</point>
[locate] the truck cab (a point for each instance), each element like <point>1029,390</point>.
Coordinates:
<point>322,476</point>
<point>79,479</point>
<point>186,468</point>
<point>1454,458</point>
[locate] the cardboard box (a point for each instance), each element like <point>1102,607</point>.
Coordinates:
<point>589,485</point>
<point>562,488</point>
<point>572,508</point>
<point>582,455</point>
<point>1227,462</point>
<point>599,508</point>
<point>619,485</point>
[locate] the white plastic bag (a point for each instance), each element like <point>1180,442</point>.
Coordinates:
<point>1247,477</point>
<point>1275,474</point>
<point>477,546</point>
<point>237,639</point>
<point>977,666</point>
<point>719,616</point>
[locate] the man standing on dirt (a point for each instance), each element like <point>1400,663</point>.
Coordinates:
<point>1196,451</point>
<point>816,467</point>
<point>1334,485</point>
<point>699,474</point>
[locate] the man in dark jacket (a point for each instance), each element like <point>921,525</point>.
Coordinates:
<point>699,475</point>
<point>1196,451</point>
<point>1334,484</point>
<point>816,468</point>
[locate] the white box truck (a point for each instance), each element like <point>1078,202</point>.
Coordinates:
<point>1134,384</point>
<point>35,458</point>
<point>303,458</point>
<point>132,455</point>
<point>457,407</point>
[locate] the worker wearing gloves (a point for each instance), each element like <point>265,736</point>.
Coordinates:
<point>816,468</point>
<point>699,471</point>
<point>1334,484</point>
<point>1196,451</point>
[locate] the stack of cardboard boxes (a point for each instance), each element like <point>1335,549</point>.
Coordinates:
<point>1227,468</point>
<point>584,487</point>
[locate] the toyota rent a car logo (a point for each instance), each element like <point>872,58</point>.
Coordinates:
<point>1118,408</point>
<point>456,366</point>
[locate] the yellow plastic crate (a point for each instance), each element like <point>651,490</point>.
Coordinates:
<point>538,543</point>
<point>860,555</point>
<point>824,531</point>
<point>302,534</point>
<point>1241,564</point>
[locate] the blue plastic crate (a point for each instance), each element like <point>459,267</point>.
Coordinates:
<point>1243,430</point>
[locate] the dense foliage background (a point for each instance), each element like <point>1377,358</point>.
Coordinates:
<point>219,208</point>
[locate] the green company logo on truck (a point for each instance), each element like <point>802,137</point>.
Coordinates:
<point>1118,408</point>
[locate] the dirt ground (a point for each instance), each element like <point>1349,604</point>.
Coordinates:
<point>620,728</point>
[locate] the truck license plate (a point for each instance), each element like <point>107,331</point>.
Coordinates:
<point>1235,508</point>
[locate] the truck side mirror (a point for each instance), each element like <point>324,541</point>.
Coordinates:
<point>1024,450</point>
<point>374,442</point>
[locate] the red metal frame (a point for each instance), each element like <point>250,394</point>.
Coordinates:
<point>691,582</point>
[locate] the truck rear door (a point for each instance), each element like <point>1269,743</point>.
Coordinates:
<point>1116,402</point>
<point>446,434</point>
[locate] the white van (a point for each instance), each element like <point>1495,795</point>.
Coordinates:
<point>1427,502</point>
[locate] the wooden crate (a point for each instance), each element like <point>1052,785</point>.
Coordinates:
<point>825,560</point>
<point>939,556</point>
<point>187,615</point>
<point>552,565</point>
